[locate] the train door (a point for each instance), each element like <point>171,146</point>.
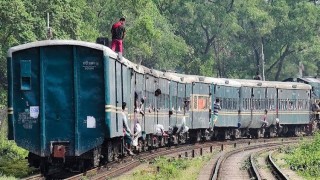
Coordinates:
<point>181,94</point>
<point>150,103</point>
<point>200,105</point>
<point>163,104</point>
<point>187,108</point>
<point>258,106</point>
<point>127,94</point>
<point>245,106</point>
<point>139,89</point>
<point>173,103</point>
<point>118,98</point>
<point>271,106</point>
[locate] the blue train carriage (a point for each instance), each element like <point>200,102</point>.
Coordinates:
<point>256,99</point>
<point>293,107</point>
<point>315,92</point>
<point>314,82</point>
<point>228,93</point>
<point>156,106</point>
<point>65,100</point>
<point>178,104</point>
<point>200,91</point>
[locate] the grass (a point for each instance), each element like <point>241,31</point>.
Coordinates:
<point>305,159</point>
<point>186,169</point>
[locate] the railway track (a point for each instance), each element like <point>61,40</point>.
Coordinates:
<point>234,164</point>
<point>115,169</point>
<point>275,169</point>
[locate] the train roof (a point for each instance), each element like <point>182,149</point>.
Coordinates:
<point>208,80</point>
<point>106,50</point>
<point>308,80</point>
<point>273,84</point>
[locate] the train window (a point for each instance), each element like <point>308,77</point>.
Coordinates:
<point>203,102</point>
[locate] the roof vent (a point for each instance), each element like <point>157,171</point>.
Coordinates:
<point>226,82</point>
<point>201,79</point>
<point>259,84</point>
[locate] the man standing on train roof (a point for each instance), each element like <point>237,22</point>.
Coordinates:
<point>118,32</point>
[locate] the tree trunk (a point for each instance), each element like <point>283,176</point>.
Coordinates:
<point>262,60</point>
<point>281,61</point>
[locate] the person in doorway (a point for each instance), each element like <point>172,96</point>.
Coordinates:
<point>315,109</point>
<point>136,135</point>
<point>118,32</point>
<point>216,109</point>
<point>126,130</point>
<point>264,119</point>
<point>160,130</point>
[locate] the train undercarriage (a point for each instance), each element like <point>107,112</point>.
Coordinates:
<point>113,149</point>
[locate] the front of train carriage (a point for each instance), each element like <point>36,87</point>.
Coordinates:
<point>59,99</point>
<point>256,97</point>
<point>228,119</point>
<point>293,107</point>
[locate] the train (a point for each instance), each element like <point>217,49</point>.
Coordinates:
<point>65,102</point>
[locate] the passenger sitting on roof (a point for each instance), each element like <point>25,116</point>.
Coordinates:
<point>258,76</point>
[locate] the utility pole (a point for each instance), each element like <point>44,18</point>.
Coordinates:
<point>49,30</point>
<point>301,69</point>
<point>262,60</point>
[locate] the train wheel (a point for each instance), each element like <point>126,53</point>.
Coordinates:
<point>140,146</point>
<point>296,131</point>
<point>82,167</point>
<point>44,167</point>
<point>109,151</point>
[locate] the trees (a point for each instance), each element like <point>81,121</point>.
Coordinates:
<point>215,38</point>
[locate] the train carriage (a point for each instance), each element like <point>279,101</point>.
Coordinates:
<point>65,101</point>
<point>227,91</point>
<point>293,106</point>
<point>65,104</point>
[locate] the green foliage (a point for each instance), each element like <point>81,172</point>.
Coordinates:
<point>306,158</point>
<point>12,158</point>
<point>213,38</point>
<point>172,169</point>
<point>3,99</point>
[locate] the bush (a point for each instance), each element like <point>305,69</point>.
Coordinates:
<point>306,158</point>
<point>12,157</point>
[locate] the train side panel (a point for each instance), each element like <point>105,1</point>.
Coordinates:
<point>150,104</point>
<point>294,106</point>
<point>163,103</point>
<point>200,105</point>
<point>229,97</point>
